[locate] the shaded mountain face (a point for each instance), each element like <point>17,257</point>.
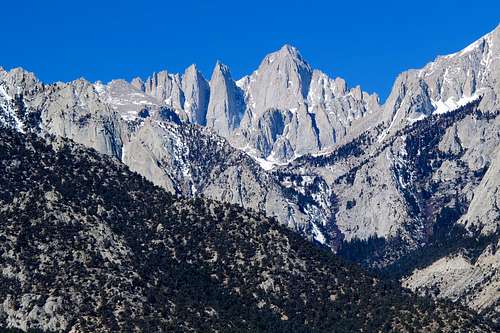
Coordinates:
<point>379,184</point>
<point>208,166</point>
<point>225,107</point>
<point>89,246</point>
<point>196,95</point>
<point>405,181</point>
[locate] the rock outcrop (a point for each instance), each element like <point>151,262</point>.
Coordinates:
<point>292,110</point>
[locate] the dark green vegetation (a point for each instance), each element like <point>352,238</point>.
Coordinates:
<point>446,239</point>
<point>16,330</point>
<point>87,244</point>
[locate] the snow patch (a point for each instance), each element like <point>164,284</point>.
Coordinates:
<point>4,94</point>
<point>468,49</point>
<point>414,120</point>
<point>384,133</point>
<point>193,189</point>
<point>99,88</point>
<point>452,103</point>
<point>471,47</point>
<point>123,153</point>
<point>267,163</point>
<point>10,114</point>
<point>317,234</point>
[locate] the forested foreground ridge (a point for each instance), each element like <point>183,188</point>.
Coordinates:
<point>88,246</point>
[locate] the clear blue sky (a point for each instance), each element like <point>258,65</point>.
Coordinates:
<point>365,42</point>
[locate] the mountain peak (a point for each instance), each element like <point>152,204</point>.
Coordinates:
<point>193,73</point>
<point>192,68</point>
<point>138,83</point>
<point>286,52</point>
<point>289,49</point>
<point>220,69</point>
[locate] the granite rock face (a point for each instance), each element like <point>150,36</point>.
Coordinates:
<point>166,88</point>
<point>283,110</point>
<point>469,176</point>
<point>484,209</point>
<point>473,282</point>
<point>73,110</point>
<point>196,95</point>
<point>165,153</point>
<point>225,107</point>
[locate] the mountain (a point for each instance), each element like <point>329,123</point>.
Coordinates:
<point>293,110</point>
<point>113,118</point>
<point>416,196</point>
<point>121,120</point>
<point>89,246</point>
<point>282,110</point>
<point>448,82</point>
<point>471,273</point>
<point>74,110</point>
<point>408,189</point>
<point>165,153</point>
<point>196,95</point>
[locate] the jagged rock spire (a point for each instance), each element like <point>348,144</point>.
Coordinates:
<point>197,94</point>
<point>226,102</point>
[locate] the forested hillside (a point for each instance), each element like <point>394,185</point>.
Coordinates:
<point>87,245</point>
